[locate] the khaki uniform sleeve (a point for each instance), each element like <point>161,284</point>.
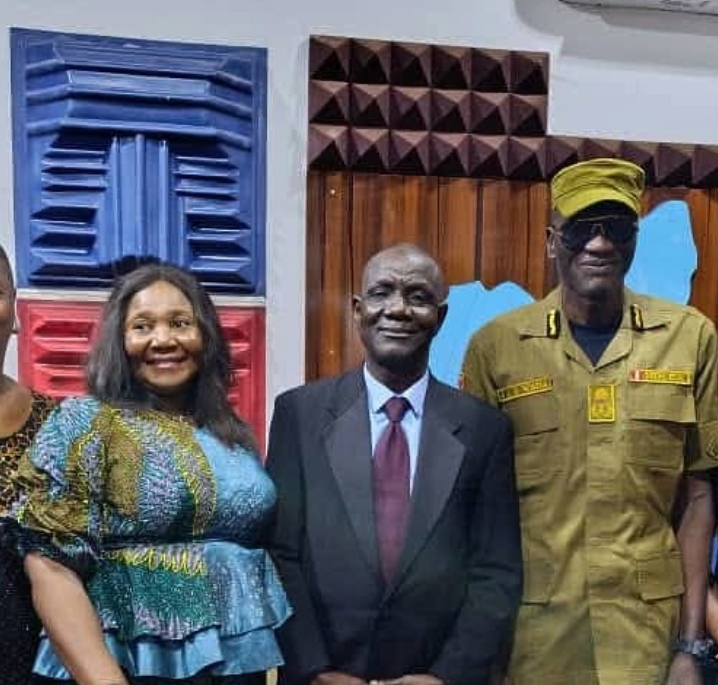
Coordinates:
<point>476,369</point>
<point>702,444</point>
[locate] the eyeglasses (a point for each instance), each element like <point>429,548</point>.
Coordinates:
<point>574,235</point>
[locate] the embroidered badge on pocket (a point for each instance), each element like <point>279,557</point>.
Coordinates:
<point>601,403</point>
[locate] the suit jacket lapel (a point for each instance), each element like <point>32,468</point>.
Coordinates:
<point>347,439</point>
<point>440,457</point>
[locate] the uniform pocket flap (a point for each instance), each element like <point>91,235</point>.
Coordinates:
<point>659,576</point>
<point>651,402</point>
<point>533,413</point>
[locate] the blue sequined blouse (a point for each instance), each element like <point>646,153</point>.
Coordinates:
<point>163,523</point>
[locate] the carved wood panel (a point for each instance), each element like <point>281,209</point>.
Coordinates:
<point>487,230</point>
<point>447,147</point>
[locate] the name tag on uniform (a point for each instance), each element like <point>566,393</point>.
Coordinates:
<point>533,386</point>
<point>601,403</point>
<point>666,376</point>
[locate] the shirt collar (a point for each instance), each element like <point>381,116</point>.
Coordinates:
<point>379,394</point>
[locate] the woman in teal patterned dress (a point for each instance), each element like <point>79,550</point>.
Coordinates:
<point>144,506</point>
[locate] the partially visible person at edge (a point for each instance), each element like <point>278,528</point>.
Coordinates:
<point>21,413</point>
<point>710,669</point>
<point>397,519</point>
<point>143,506</point>
<point>613,398</point>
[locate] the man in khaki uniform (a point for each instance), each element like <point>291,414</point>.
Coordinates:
<point>613,397</point>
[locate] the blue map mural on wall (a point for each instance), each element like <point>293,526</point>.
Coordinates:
<point>666,258</point>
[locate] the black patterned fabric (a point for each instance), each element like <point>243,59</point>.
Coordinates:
<point>19,626</point>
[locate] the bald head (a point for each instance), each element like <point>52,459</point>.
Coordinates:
<point>414,258</point>
<point>399,311</point>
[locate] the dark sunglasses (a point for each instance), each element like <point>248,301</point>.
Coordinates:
<point>618,229</point>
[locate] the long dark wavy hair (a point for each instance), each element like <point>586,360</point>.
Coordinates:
<point>109,373</point>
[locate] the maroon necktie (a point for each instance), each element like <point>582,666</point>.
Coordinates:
<point>391,486</point>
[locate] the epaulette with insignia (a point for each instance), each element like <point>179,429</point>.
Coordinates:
<point>553,323</point>
<point>636,317</point>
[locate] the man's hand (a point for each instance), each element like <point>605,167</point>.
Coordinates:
<point>337,678</point>
<point>416,679</point>
<point>684,670</point>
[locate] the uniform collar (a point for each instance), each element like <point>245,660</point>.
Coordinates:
<point>639,313</point>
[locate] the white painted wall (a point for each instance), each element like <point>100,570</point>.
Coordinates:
<point>638,75</point>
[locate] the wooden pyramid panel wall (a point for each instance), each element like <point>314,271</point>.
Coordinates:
<point>386,107</point>
<point>447,147</point>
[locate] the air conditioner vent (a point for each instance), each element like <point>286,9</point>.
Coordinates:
<point>695,6</point>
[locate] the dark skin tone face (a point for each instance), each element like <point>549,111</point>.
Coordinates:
<point>16,400</point>
<point>592,278</point>
<point>7,307</point>
<point>398,313</point>
<point>163,343</point>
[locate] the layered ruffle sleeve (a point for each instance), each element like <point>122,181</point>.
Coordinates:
<point>61,480</point>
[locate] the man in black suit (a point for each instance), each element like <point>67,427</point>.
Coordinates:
<point>432,601</point>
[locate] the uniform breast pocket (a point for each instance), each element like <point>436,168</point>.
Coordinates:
<point>660,415</point>
<point>535,422</point>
